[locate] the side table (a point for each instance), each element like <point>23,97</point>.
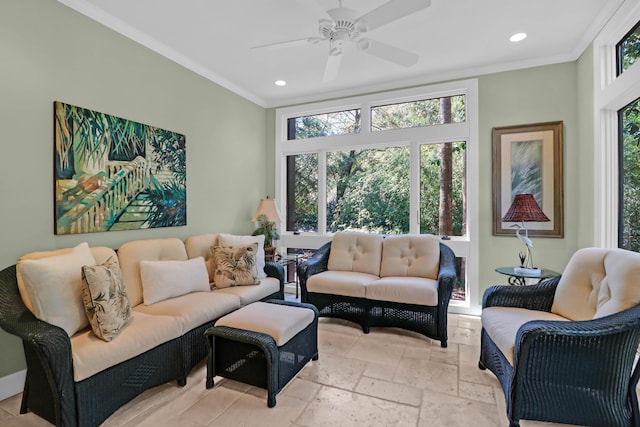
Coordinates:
<point>517,279</point>
<point>289,260</point>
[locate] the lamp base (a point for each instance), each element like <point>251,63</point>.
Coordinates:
<point>524,271</point>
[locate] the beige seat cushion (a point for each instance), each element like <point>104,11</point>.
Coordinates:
<point>357,252</point>
<point>91,355</point>
<point>502,324</point>
<point>415,255</point>
<point>281,322</point>
<point>194,309</point>
<point>131,253</point>
<point>346,283</point>
<point>253,293</point>
<point>407,290</point>
<point>598,282</point>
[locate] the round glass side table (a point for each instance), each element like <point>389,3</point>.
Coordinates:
<point>518,279</point>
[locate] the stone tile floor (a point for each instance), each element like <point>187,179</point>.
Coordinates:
<point>388,377</point>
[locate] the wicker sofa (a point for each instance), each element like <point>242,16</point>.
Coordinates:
<point>401,280</point>
<point>79,379</point>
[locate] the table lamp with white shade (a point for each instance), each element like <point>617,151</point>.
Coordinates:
<point>267,216</point>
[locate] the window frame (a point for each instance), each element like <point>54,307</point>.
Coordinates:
<point>612,92</point>
<point>464,246</point>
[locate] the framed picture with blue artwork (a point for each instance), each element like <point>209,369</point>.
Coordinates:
<point>528,159</point>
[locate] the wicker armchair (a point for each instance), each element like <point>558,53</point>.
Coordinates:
<point>564,350</point>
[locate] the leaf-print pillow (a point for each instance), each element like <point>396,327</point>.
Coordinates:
<point>105,299</point>
<point>235,265</point>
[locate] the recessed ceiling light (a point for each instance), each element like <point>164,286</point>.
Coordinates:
<point>280,83</point>
<point>518,37</point>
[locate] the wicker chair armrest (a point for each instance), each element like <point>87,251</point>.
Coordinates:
<point>532,297</point>
<point>591,339</point>
<point>447,274</point>
<point>275,270</point>
<point>49,345</point>
<point>314,265</point>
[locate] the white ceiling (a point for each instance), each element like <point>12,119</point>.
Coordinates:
<point>454,38</point>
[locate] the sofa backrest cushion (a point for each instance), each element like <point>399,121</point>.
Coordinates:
<point>598,282</point>
<point>131,253</point>
<point>166,279</point>
<point>416,255</point>
<point>54,287</point>
<point>359,252</point>
<point>201,245</point>
<point>100,254</point>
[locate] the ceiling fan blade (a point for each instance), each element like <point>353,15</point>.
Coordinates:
<point>332,67</point>
<point>288,43</point>
<point>388,52</point>
<point>389,12</point>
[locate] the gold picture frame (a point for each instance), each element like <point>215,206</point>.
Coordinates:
<point>528,159</point>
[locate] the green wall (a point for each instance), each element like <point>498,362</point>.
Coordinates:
<point>49,52</point>
<point>533,95</point>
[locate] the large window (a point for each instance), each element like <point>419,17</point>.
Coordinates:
<point>617,130</point>
<point>629,216</point>
<point>392,163</point>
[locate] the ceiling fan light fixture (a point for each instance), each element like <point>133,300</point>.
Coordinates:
<point>280,83</point>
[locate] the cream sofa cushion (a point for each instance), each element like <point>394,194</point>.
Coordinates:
<point>131,253</point>
<point>201,245</point>
<point>406,290</point>
<point>194,309</point>
<point>252,293</point>
<point>357,252</point>
<point>54,285</point>
<point>598,282</point>
<point>100,254</point>
<point>91,355</point>
<point>346,283</point>
<point>168,279</point>
<point>416,255</point>
<point>502,324</point>
<point>281,322</point>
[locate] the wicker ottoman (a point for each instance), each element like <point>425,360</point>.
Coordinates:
<point>264,344</point>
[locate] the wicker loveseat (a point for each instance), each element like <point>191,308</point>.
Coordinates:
<point>401,280</point>
<point>80,380</point>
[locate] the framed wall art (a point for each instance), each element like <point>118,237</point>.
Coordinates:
<point>115,174</point>
<point>528,159</point>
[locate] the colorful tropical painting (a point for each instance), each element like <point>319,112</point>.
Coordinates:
<point>116,174</point>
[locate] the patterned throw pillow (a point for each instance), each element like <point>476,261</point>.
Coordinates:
<point>105,299</point>
<point>235,265</point>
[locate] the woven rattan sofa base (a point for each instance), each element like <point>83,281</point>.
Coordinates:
<point>430,321</point>
<point>50,391</point>
<point>254,358</point>
<point>367,313</point>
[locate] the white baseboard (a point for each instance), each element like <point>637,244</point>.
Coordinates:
<point>12,384</point>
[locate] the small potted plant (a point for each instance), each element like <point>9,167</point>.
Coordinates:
<point>268,229</point>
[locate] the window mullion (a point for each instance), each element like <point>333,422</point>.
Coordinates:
<point>414,188</point>
<point>322,192</point>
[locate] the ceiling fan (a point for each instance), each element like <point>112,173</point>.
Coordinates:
<point>346,26</point>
